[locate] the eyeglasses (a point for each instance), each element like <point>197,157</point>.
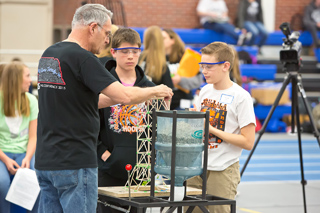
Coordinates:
<point>209,66</point>
<point>108,33</point>
<point>125,51</point>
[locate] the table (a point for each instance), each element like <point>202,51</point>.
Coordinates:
<point>141,199</point>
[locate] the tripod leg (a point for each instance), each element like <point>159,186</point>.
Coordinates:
<point>305,102</point>
<point>296,107</point>
<point>264,126</point>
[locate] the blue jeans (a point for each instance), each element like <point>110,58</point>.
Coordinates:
<point>257,29</point>
<point>68,190</point>
<point>225,28</point>
<point>5,181</point>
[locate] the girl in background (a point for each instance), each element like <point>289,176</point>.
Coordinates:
<point>152,59</point>
<point>105,54</point>
<point>174,46</point>
<point>18,126</point>
<point>250,17</point>
<point>175,49</point>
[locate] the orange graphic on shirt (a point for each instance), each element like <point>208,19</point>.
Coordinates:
<point>127,118</point>
<point>218,113</point>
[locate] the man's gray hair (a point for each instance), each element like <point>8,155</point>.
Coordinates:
<point>89,13</point>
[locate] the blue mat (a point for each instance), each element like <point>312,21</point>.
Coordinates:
<point>279,160</point>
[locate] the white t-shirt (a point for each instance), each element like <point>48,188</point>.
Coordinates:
<point>252,11</point>
<point>215,6</point>
<point>230,110</point>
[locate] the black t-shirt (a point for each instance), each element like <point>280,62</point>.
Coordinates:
<point>70,79</point>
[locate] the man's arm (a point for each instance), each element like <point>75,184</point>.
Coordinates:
<point>244,140</point>
<point>116,93</point>
<point>105,101</point>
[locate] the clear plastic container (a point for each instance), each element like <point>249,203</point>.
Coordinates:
<point>189,146</point>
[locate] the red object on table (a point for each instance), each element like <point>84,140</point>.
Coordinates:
<point>128,167</point>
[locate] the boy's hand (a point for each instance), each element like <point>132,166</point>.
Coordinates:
<point>105,155</point>
<point>194,108</point>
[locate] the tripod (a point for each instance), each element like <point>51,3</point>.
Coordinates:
<point>295,79</point>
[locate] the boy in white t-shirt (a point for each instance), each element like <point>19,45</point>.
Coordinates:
<point>232,123</point>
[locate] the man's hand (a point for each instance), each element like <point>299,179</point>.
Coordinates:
<point>163,91</point>
<point>105,155</point>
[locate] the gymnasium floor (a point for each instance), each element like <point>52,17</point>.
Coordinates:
<point>271,181</point>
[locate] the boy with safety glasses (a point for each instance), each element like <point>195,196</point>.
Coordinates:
<point>232,123</point>
<point>119,123</point>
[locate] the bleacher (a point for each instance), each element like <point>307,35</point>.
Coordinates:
<point>263,71</point>
<point>198,38</point>
<point>202,37</point>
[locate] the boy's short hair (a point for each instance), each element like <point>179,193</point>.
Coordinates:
<point>123,35</point>
<point>221,51</point>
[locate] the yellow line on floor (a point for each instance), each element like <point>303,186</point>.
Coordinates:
<point>248,210</point>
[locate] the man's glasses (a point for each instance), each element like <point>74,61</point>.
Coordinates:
<point>108,33</point>
<point>209,66</point>
<point>125,51</point>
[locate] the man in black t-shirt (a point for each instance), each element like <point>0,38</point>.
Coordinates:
<point>70,80</point>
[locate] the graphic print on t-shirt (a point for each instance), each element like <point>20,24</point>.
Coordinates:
<point>218,113</point>
<point>127,118</point>
<point>49,71</point>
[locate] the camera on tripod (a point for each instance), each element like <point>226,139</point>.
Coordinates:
<point>291,48</point>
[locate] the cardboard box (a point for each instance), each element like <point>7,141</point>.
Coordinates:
<point>302,118</point>
<point>267,95</point>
